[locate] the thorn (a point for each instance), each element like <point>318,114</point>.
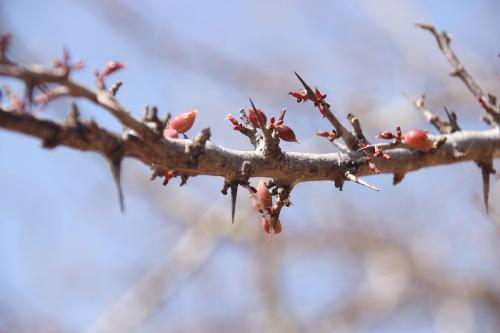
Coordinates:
<point>486,170</point>
<point>310,92</point>
<point>115,161</point>
<point>234,193</point>
<point>486,187</point>
<point>262,124</point>
<point>349,176</point>
<point>184,179</point>
<point>398,178</point>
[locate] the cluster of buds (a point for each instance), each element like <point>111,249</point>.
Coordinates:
<point>65,64</point>
<point>387,135</point>
<point>236,125</point>
<point>370,163</point>
<point>317,97</point>
<point>377,152</point>
<point>300,95</point>
<point>109,68</point>
<point>380,153</point>
<point>415,139</point>
<point>262,202</point>
<point>180,124</point>
<point>284,132</point>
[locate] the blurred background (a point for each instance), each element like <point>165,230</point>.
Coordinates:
<point>422,256</point>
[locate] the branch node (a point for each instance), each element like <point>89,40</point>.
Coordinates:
<point>197,146</point>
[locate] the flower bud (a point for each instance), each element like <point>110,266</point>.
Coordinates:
<point>183,122</point>
<point>170,133</point>
<point>252,116</point>
<point>418,140</point>
<point>262,198</point>
<point>286,133</point>
<point>385,135</point>
<point>112,67</point>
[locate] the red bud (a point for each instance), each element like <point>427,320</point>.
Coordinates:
<point>286,133</point>
<point>300,95</point>
<point>252,116</point>
<point>418,139</point>
<point>112,67</point>
<point>385,135</point>
<point>183,122</point>
<point>170,133</point>
<point>262,199</point>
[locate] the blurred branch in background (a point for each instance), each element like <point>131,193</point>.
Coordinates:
<point>165,45</point>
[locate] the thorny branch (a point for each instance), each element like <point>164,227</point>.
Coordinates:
<point>147,140</point>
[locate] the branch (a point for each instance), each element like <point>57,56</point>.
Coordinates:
<point>487,101</point>
<point>155,142</point>
<point>219,161</point>
<point>37,75</point>
<point>443,126</point>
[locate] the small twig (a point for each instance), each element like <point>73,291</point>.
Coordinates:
<point>197,147</point>
<point>282,114</point>
<point>38,75</point>
<point>351,141</point>
<point>115,87</point>
<point>443,40</point>
<point>358,131</point>
<point>444,127</point>
<point>268,139</point>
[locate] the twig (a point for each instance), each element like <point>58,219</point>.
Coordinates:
<point>350,140</point>
<point>443,40</point>
<point>444,127</point>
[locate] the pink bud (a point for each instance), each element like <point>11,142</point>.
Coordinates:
<point>300,95</point>
<point>286,133</point>
<point>170,133</point>
<point>252,116</point>
<point>183,122</point>
<point>418,140</point>
<point>112,67</point>
<point>385,135</point>
<point>262,199</point>
<point>267,226</point>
